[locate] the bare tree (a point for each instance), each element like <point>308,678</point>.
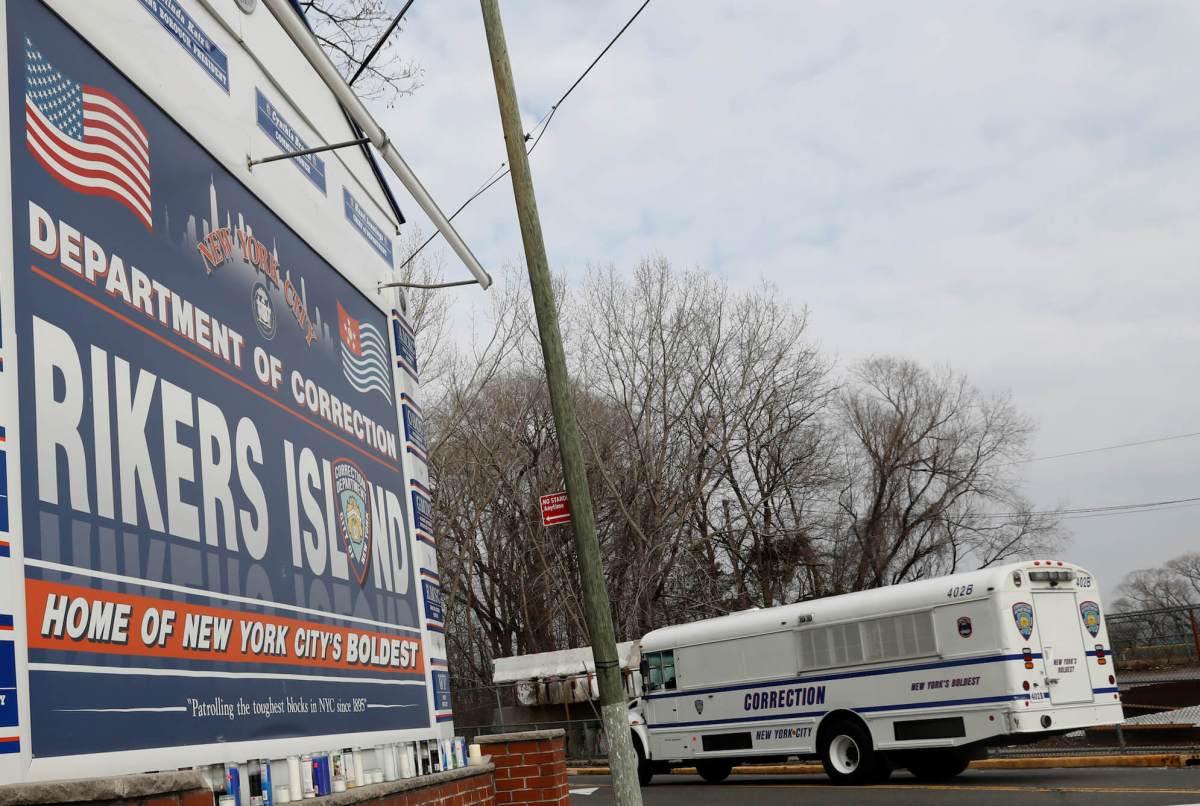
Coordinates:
<point>929,481</point>
<point>728,468</point>
<point>1172,585</point>
<point>347,30</point>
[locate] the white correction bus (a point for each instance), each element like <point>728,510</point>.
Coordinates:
<point>923,675</point>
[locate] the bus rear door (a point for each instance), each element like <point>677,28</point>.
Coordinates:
<point>1063,650</point>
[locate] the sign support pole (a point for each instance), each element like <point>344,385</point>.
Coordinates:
<point>613,707</point>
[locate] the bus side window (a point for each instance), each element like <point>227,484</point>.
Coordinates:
<point>656,677</point>
<point>668,669</point>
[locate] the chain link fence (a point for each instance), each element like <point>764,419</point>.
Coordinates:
<point>508,707</point>
<point>1156,646</point>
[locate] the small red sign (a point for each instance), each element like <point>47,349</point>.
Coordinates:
<point>556,509</point>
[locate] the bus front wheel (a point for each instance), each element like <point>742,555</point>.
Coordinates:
<point>849,756</point>
<point>937,765</point>
<point>714,772</point>
<point>645,769</point>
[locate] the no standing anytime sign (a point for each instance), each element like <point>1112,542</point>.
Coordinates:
<point>556,509</point>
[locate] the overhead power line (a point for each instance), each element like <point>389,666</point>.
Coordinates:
<point>540,127</point>
<point>1109,448</point>
<point>379,42</point>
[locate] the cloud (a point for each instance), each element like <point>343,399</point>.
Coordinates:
<point>1008,188</point>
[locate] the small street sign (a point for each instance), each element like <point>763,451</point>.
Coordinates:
<point>556,509</point>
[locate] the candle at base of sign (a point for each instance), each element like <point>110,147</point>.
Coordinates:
<point>360,767</point>
<point>475,754</point>
<point>339,783</point>
<point>406,770</point>
<point>295,788</point>
<point>244,783</point>
<point>384,751</point>
<point>349,763</point>
<point>377,776</point>
<point>268,791</point>
<point>322,775</point>
<point>307,783</point>
<point>283,794</point>
<point>233,783</point>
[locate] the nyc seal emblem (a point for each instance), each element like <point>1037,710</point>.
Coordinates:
<point>1090,613</point>
<point>1023,616</point>
<point>353,514</point>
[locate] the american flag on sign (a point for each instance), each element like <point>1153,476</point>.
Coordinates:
<point>85,137</point>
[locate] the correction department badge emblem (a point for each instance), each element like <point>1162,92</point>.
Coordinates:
<point>1090,612</point>
<point>1023,616</point>
<point>964,626</point>
<point>262,310</point>
<point>353,514</point>
<point>699,706</point>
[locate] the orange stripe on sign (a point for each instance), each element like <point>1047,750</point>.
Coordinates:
<point>195,628</point>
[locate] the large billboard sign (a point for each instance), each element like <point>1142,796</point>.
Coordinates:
<point>215,528</point>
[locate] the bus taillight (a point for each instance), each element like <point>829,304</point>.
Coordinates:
<point>1100,659</point>
<point>1027,656</point>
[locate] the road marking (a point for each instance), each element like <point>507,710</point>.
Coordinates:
<point>590,790</point>
<point>1105,790</point>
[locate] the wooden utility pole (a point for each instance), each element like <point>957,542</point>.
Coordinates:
<point>614,710</point>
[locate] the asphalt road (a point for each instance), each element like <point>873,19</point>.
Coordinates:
<point>1093,787</point>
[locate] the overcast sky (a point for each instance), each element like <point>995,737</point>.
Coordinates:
<point>1009,189</point>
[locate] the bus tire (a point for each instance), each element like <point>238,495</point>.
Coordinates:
<point>645,769</point>
<point>848,755</point>
<point>937,765</point>
<point>714,772</point>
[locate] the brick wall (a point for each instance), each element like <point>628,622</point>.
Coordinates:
<point>472,786</point>
<point>531,767</point>
<point>526,768</point>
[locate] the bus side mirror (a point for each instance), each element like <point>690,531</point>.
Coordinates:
<point>644,668</point>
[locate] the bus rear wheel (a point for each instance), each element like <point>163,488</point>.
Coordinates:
<point>937,765</point>
<point>848,755</point>
<point>714,772</point>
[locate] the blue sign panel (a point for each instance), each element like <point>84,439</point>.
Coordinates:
<point>272,122</point>
<point>414,427</point>
<point>423,515</point>
<point>441,690</point>
<point>215,536</point>
<point>8,698</point>
<point>374,234</point>
<point>433,600</point>
<point>180,25</point>
<point>405,346</point>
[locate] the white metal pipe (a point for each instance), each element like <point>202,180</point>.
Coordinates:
<point>295,28</point>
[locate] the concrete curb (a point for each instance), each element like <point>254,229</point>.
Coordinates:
<point>1033,763</point>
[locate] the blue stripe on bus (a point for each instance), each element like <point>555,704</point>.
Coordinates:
<point>1112,690</point>
<point>921,667</point>
<point>803,714</point>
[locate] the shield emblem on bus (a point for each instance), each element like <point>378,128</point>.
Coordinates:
<point>353,501</point>
<point>964,626</point>
<point>1023,616</point>
<point>699,706</point>
<point>1090,612</point>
